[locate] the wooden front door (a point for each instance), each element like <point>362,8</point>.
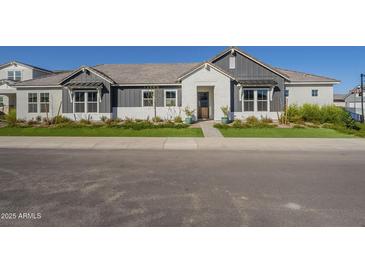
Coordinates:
<point>203,105</point>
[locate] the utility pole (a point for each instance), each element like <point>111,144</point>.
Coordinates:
<point>362,97</point>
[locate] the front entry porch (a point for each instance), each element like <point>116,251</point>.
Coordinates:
<point>7,102</point>
<point>205,102</point>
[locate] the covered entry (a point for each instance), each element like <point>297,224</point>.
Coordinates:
<point>205,101</point>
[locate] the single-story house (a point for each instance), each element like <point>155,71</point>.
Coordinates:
<point>10,74</point>
<point>233,78</point>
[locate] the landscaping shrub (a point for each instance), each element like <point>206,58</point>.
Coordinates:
<point>311,113</point>
<point>266,120</point>
<point>103,119</point>
<point>237,124</point>
<point>298,126</point>
<point>252,120</point>
<point>157,119</point>
<point>10,118</point>
<point>59,119</point>
<point>178,119</point>
<point>85,122</point>
<point>293,114</point>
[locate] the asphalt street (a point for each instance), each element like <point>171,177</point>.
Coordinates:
<point>41,187</point>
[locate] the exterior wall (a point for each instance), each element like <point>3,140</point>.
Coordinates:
<point>220,83</point>
<point>105,106</point>
<point>148,112</point>
<point>129,103</point>
<point>247,69</point>
<point>55,98</point>
<point>301,94</point>
<point>27,73</point>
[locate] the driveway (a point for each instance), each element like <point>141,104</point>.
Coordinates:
<point>181,188</point>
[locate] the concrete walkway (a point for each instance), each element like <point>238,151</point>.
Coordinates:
<point>233,144</point>
<point>209,131</point>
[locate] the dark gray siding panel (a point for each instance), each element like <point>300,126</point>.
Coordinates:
<point>129,97</point>
<point>236,104</point>
<point>160,95</point>
<point>88,77</point>
<point>132,96</point>
<point>179,97</point>
<point>66,102</point>
<point>247,69</point>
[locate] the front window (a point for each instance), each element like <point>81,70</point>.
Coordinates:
<point>286,93</point>
<point>314,92</point>
<point>14,75</point>
<point>92,102</point>
<point>148,98</point>
<point>79,102</point>
<point>248,100</point>
<point>262,99</point>
<point>32,102</point>
<point>1,101</point>
<point>44,102</point>
<point>170,98</point>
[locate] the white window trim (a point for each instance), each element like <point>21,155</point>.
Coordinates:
<point>268,100</point>
<point>315,90</point>
<point>243,100</point>
<point>86,102</point>
<point>39,101</point>
<point>176,99</point>
<point>33,103</point>
<point>14,78</point>
<point>153,97</point>
<point>255,101</point>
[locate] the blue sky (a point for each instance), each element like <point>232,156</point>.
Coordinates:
<point>342,63</point>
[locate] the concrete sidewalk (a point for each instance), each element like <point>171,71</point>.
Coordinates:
<point>236,144</point>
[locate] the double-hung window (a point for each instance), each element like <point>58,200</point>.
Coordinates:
<point>32,102</point>
<point>79,102</point>
<point>147,98</point>
<point>92,102</point>
<point>15,75</point>
<point>170,98</point>
<point>314,92</point>
<point>248,100</point>
<point>86,102</point>
<point>1,101</point>
<point>44,102</point>
<point>262,99</point>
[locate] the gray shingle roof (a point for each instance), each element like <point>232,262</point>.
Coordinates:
<point>155,74</point>
<point>145,73</point>
<point>296,76</point>
<point>126,74</point>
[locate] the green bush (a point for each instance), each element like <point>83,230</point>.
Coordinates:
<point>237,124</point>
<point>10,118</point>
<point>59,119</point>
<point>252,120</point>
<point>311,113</point>
<point>157,119</point>
<point>178,119</point>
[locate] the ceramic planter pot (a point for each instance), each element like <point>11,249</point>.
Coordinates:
<point>188,120</point>
<point>225,120</point>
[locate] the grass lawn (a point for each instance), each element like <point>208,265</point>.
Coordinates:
<point>102,132</point>
<point>284,133</point>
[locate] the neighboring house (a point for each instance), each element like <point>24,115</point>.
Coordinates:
<point>10,74</point>
<point>353,101</point>
<point>339,99</point>
<point>232,78</point>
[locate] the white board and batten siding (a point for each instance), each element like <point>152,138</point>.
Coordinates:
<point>55,99</point>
